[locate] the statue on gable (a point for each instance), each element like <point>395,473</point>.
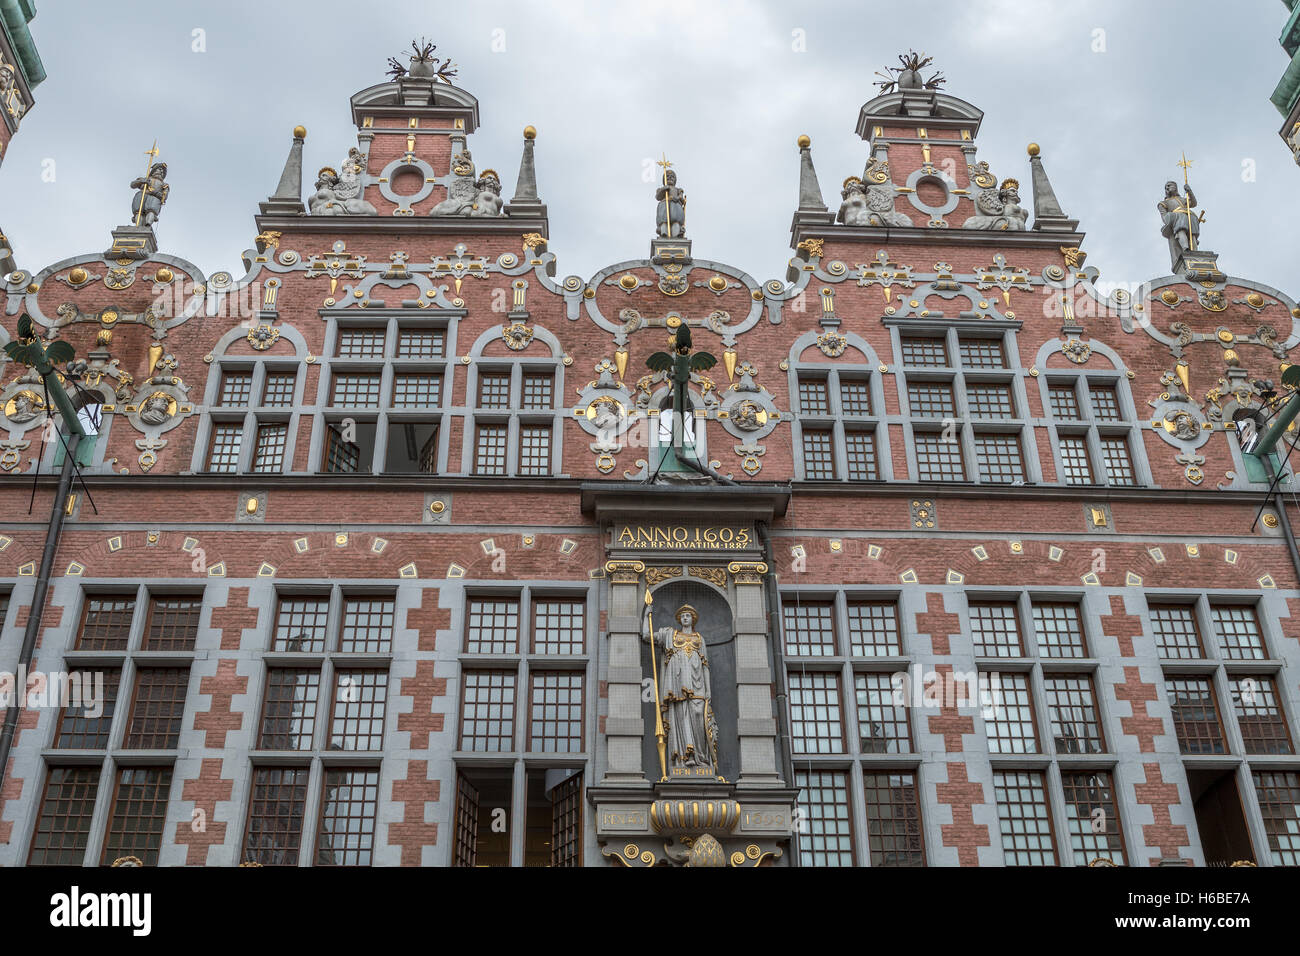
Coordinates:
<point>464,190</point>
<point>151,193</point>
<point>339,194</point>
<point>999,209</point>
<point>869,205</point>
<point>488,202</point>
<point>1179,224</point>
<point>670,216</point>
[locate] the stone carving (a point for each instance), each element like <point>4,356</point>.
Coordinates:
<point>670,217</point>
<point>23,407</point>
<point>157,408</point>
<point>1178,225</point>
<point>151,190</point>
<point>686,692</point>
<point>469,196</point>
<point>832,343</point>
<point>517,335</point>
<point>869,205</point>
<point>1076,351</point>
<point>1182,425</point>
<point>339,194</point>
<point>748,416</point>
<point>488,202</point>
<point>999,209</point>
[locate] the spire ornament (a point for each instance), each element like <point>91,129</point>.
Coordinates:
<point>908,76</point>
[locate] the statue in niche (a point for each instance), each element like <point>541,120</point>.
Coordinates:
<point>1179,225</point>
<point>685,692</point>
<point>151,192</point>
<point>670,216</point>
<point>999,209</point>
<point>339,194</point>
<point>463,193</point>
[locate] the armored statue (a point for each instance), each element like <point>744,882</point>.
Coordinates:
<point>151,192</point>
<point>670,217</point>
<point>999,209</point>
<point>464,190</point>
<point>1179,225</point>
<point>687,697</point>
<point>339,194</point>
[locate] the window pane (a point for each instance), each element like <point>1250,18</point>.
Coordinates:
<point>1119,467</point>
<point>420,343</point>
<point>300,624</point>
<point>999,458</point>
<point>938,459</point>
<point>1072,705</point>
<point>139,813</point>
<point>1238,632</point>
<point>341,457</point>
<point>488,715</point>
<point>349,801</point>
<point>995,629</point>
<point>63,828</point>
<point>361,343</point>
<point>1011,727</point>
<point>268,454</point>
<point>894,819</point>
<point>982,353</point>
<point>1260,716</point>
<point>78,729</point>
<point>1059,631</point>
<point>809,629</point>
<point>173,623</point>
<point>1063,401</point>
<point>538,391</point>
<point>555,719</point>
<point>355,390</point>
<point>931,400</point>
<point>275,815</point>
<point>860,456</point>
<point>1196,715</point>
<point>824,806</point>
<point>925,352</point>
<point>359,703</point>
<point>289,713</point>
<point>873,629</point>
<point>1092,817</point>
<point>882,721</point>
<point>1105,403</point>
<point>818,456</point>
<point>106,625</point>
<point>815,713</point>
<point>279,389</point>
<point>159,706</point>
<point>534,449</point>
<point>812,397</point>
<point>224,456</point>
<point>494,390</point>
<point>1175,631</point>
<point>1075,468</point>
<point>1025,820</point>
<point>493,626</point>
<point>1279,805</point>
<point>417,391</point>
<point>855,396</point>
<point>367,625</point>
<point>558,626</point>
<point>989,401</point>
<point>235,389</point>
<point>490,450</point>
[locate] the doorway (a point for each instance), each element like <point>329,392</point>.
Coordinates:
<point>1220,817</point>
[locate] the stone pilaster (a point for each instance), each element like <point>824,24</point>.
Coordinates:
<point>755,719</point>
<point>624,724</point>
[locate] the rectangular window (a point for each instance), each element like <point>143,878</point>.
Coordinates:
<point>268,453</point>
<point>349,802</point>
<point>341,457</point>
<point>106,623</point>
<point>493,626</point>
<point>300,624</point>
<point>566,822</point>
<point>1059,631</point>
<point>1196,715</point>
<point>813,399</point>
<point>63,827</point>
<point>534,449</point>
<point>559,626</point>
<point>224,454</point>
<point>555,715</point>
<point>1092,817</point>
<point>809,628</point>
<point>173,623</point>
<point>417,391</point>
<point>999,458</point>
<point>490,450</point>
<point>494,390</point>
<point>894,819</point>
<point>1063,401</point>
<point>818,456</point>
<point>359,703</point>
<point>488,711</point>
<point>421,343</point>
<point>158,708</point>
<point>539,392</point>
<point>860,456</point>
<point>1072,706</point>
<point>79,731</point>
<point>1279,805</point>
<point>289,710</point>
<point>824,802</point>
<point>1011,729</point>
<point>982,353</point>
<point>279,389</point>
<point>815,720</point>
<point>882,722</point>
<point>939,459</point>
<point>989,401</point>
<point>873,629</point>
<point>1260,716</point>
<point>855,396</point>
<point>1175,631</point>
<point>924,352</point>
<point>1026,821</point>
<point>355,390</point>
<point>275,815</point>
<point>236,388</point>
<point>995,629</point>
<point>139,814</point>
<point>1105,403</point>
<point>361,343</point>
<point>931,400</point>
<point>367,625</point>
<point>1075,467</point>
<point>1119,467</point>
<point>1237,628</point>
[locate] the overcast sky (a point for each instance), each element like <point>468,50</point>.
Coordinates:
<point>1113,90</point>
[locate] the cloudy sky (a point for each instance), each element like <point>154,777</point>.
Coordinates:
<point>1113,90</point>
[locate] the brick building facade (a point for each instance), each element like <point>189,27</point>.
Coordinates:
<point>365,534</point>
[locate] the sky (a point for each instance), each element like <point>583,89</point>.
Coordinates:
<point>1114,91</point>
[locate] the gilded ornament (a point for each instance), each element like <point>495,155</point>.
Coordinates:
<point>24,406</point>
<point>1255,300</point>
<point>629,281</point>
<point>1169,296</point>
<point>1270,521</point>
<point>1225,336</point>
<point>164,275</point>
<point>262,337</point>
<point>78,275</point>
<point>717,283</point>
<point>832,343</point>
<point>813,247</point>
<point>517,336</point>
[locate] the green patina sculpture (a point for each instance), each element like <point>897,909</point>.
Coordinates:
<point>680,363</point>
<point>28,350</point>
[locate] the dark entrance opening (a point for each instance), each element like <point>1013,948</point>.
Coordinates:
<point>1225,837</point>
